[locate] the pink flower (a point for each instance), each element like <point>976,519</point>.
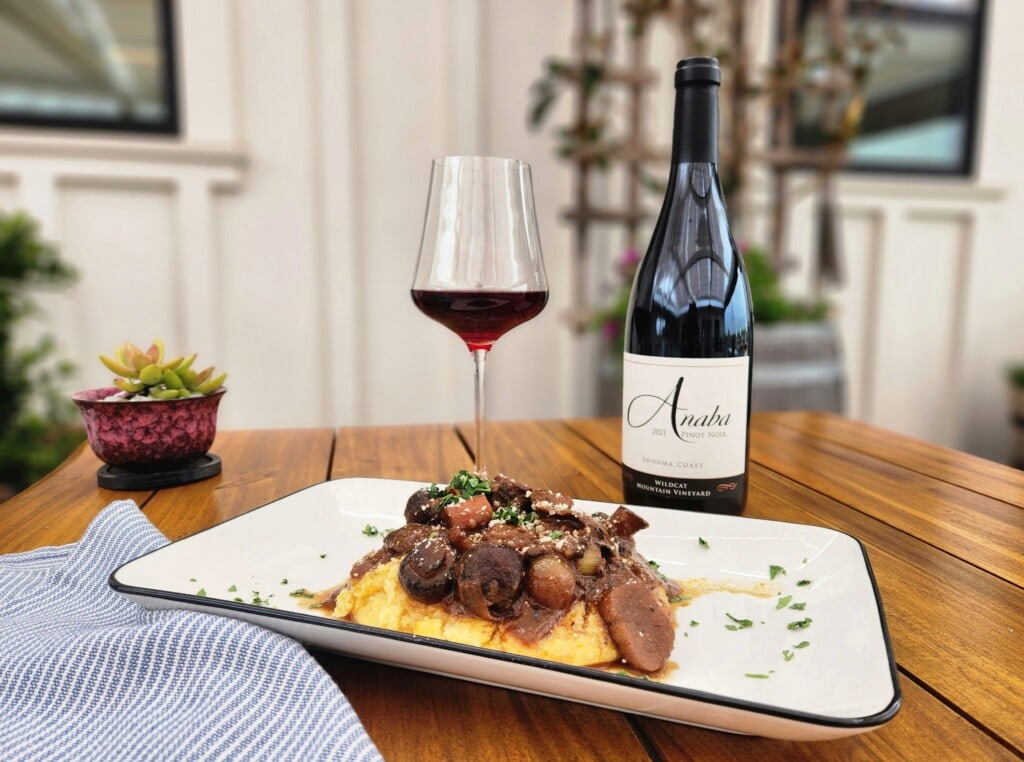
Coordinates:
<point>610,329</point>
<point>630,257</point>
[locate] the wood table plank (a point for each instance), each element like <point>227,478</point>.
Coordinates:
<point>923,730</point>
<point>433,711</point>
<point>550,454</point>
<point>427,453</point>
<point>974,527</point>
<point>977,474</point>
<point>57,509</point>
<point>447,719</point>
<point>936,605</point>
<point>981,530</point>
<point>258,467</point>
<point>940,528</point>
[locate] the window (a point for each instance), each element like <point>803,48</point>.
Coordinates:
<point>88,64</point>
<point>921,93</point>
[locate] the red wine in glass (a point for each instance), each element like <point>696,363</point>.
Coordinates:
<point>480,318</point>
<point>480,271</point>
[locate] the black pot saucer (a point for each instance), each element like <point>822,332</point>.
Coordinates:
<point>157,475</point>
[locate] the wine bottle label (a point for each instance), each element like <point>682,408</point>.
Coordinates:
<point>685,418</point>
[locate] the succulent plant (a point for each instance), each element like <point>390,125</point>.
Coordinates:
<point>147,374</point>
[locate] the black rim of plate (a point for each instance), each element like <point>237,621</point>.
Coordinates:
<point>878,718</point>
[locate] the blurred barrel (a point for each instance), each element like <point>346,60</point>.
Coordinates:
<point>798,366</point>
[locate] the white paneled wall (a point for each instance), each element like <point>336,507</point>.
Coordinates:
<point>911,254</point>
<point>277,236</point>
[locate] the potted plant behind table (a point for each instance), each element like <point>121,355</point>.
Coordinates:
<point>1015,375</point>
<point>797,358</point>
<point>155,425</point>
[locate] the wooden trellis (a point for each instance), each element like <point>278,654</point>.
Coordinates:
<point>587,147</point>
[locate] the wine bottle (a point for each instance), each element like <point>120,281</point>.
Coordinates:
<point>689,329</point>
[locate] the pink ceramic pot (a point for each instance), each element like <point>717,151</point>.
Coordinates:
<point>157,431</point>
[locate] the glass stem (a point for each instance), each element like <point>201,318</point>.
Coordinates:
<point>479,355</point>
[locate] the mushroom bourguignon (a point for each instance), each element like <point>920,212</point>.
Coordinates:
<point>522,558</point>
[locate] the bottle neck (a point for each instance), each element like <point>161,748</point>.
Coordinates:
<point>695,130</point>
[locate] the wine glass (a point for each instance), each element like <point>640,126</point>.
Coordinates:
<point>480,271</point>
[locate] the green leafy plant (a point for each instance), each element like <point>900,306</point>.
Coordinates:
<point>38,425</point>
<point>148,374</point>
<point>611,320</point>
<point>771,305</point>
<point>1015,374</point>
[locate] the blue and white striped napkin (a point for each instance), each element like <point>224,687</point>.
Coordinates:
<point>88,674</point>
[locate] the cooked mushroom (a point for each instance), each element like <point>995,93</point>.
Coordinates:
<point>488,580</point>
<point>426,573</point>
<point>421,507</point>
<point>405,538</point>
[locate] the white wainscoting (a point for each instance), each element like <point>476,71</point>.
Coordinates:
<point>277,237</point>
<point>913,258</point>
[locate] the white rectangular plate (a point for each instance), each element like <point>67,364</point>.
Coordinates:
<point>753,680</point>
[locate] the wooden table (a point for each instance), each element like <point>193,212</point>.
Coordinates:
<point>944,533</point>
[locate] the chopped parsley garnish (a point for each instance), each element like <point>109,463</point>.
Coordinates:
<point>703,543</point>
<point>284,580</point>
<point>370,530</point>
<point>783,602</point>
<point>740,624</point>
<point>259,600</point>
<point>191,579</point>
<point>463,486</point>
<point>787,655</point>
<point>323,555</point>
<point>301,593</point>
<point>512,515</point>
<point>694,623</point>
<point>757,675</point>
<point>802,644</point>
<point>774,571</point>
<point>202,592</point>
<point>798,606</point>
<point>556,534</point>
<point>233,588</point>
<point>803,583</point>
<point>655,566</point>
<point>803,624</point>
